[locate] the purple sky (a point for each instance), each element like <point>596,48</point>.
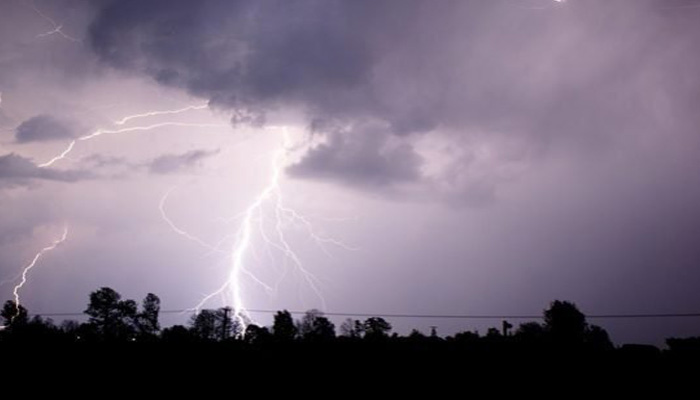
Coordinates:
<point>473,157</point>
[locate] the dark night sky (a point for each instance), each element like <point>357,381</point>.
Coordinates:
<point>469,157</point>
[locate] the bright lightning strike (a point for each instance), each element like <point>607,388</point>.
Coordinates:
<point>31,265</point>
<point>252,221</point>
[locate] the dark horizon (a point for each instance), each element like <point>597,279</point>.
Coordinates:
<point>468,322</point>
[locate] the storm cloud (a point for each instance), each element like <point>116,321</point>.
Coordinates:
<point>170,163</point>
<point>363,155</point>
<point>18,170</point>
<point>587,75</point>
<point>43,128</point>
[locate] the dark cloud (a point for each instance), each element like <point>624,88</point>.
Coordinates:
<point>17,170</point>
<point>100,161</point>
<point>361,155</point>
<point>43,128</point>
<point>581,73</point>
<point>171,163</point>
<point>120,167</point>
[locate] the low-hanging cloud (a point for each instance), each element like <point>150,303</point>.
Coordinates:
<point>17,170</point>
<point>361,156</point>
<point>43,128</point>
<point>171,163</point>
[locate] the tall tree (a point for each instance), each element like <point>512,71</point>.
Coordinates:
<point>147,320</point>
<point>283,328</point>
<point>203,325</point>
<point>112,317</point>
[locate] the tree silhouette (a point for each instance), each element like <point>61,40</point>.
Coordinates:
<point>564,323</point>
<point>315,327</point>
<point>352,328</point>
<point>112,317</point>
<point>203,325</point>
<point>376,328</point>
<point>147,319</point>
<point>530,332</point>
<point>417,336</point>
<point>212,325</point>
<point>14,314</point>
<point>229,326</point>
<point>114,320</point>
<point>176,334</point>
<point>283,328</point>
<point>596,338</point>
<point>255,334</point>
<point>71,329</point>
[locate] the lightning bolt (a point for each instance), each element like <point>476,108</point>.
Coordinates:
<point>252,222</point>
<point>102,131</point>
<point>176,229</point>
<point>57,28</point>
<point>154,113</point>
<point>31,265</point>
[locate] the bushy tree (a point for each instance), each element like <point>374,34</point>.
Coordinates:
<point>255,334</point>
<point>597,338</point>
<point>176,334</point>
<point>530,332</point>
<point>352,328</point>
<point>564,323</point>
<point>376,328</point>
<point>314,326</point>
<point>113,318</point>
<point>147,320</point>
<point>14,314</point>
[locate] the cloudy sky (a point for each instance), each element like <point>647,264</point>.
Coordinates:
<point>453,157</point>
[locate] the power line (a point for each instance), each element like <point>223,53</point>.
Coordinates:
<point>418,316</point>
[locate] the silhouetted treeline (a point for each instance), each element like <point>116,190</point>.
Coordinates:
<point>123,324</point>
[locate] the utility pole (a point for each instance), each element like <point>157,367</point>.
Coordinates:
<point>506,326</point>
<point>224,324</point>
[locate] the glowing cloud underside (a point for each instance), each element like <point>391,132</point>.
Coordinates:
<point>266,219</point>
